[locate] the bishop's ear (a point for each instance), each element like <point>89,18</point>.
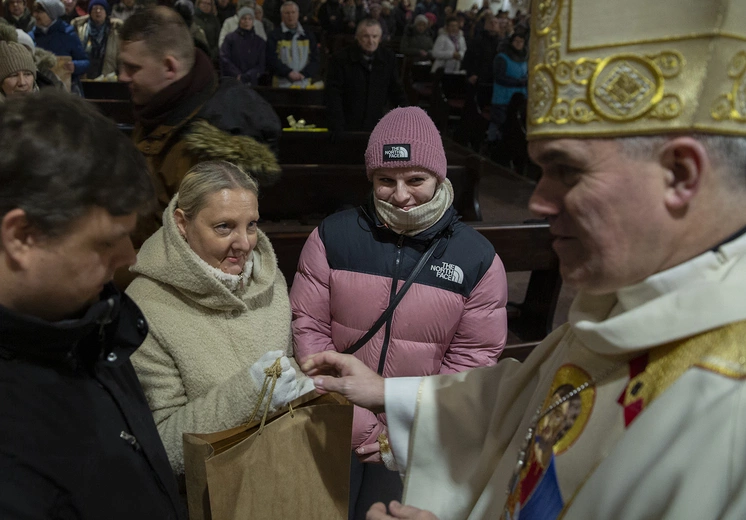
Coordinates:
<point>18,236</point>
<point>686,162</point>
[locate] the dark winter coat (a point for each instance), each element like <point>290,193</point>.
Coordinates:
<point>243,53</point>
<point>331,17</point>
<point>413,42</point>
<point>26,22</point>
<point>480,55</point>
<point>356,95</point>
<point>78,439</point>
<point>61,39</point>
<point>211,25</point>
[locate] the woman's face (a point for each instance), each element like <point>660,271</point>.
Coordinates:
<point>453,28</point>
<point>405,188</point>
<point>223,233</point>
<point>21,82</point>
<point>246,22</point>
<point>518,43</point>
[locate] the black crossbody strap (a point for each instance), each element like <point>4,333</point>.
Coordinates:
<point>424,259</point>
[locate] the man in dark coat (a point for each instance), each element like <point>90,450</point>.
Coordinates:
<point>183,116</point>
<point>78,439</point>
<point>361,79</point>
<point>18,15</point>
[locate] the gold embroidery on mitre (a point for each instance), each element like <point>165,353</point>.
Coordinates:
<point>621,87</point>
<point>600,68</point>
<point>733,104</point>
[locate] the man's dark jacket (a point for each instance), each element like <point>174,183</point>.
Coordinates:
<point>78,440</point>
<point>356,96</point>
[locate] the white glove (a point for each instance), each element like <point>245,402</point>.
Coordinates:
<point>288,387</point>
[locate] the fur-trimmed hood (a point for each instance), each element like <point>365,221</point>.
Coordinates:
<point>209,143</point>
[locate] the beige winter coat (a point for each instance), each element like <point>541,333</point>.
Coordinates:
<point>112,42</point>
<point>203,338</point>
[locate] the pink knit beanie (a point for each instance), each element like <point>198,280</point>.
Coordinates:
<point>406,137</point>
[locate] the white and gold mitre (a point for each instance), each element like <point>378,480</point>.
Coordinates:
<point>634,67</point>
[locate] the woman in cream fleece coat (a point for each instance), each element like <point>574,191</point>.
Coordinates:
<point>207,326</point>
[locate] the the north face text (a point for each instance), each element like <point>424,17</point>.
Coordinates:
<point>449,272</point>
<point>396,152</point>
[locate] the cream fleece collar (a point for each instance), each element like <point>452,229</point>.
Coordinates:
<point>235,283</point>
<point>417,219</point>
<point>703,293</point>
<point>166,257</point>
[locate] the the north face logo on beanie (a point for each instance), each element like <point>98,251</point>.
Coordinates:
<point>397,152</point>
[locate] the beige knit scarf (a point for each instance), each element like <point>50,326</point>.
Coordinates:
<point>419,218</point>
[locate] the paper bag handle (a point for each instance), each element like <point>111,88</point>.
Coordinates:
<point>271,373</point>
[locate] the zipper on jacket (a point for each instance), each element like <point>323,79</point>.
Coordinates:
<point>392,295</point>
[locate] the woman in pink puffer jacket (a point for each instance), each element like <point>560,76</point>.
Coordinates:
<point>451,319</point>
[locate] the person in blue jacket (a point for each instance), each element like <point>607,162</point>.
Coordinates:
<point>510,72</point>
<point>60,38</point>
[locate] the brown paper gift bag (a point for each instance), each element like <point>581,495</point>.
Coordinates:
<point>297,467</point>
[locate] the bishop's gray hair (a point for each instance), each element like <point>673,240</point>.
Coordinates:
<point>726,152</point>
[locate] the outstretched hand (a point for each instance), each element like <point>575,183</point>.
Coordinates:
<point>396,510</point>
<point>348,376</point>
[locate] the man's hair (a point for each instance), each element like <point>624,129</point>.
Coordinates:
<point>289,3</point>
<point>210,177</point>
<point>367,22</point>
<point>726,152</point>
<point>60,157</point>
<point>163,31</point>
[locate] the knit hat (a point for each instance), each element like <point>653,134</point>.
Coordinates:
<point>15,57</point>
<point>53,8</point>
<point>102,3</point>
<point>431,18</point>
<point>421,18</point>
<point>244,11</point>
<point>25,39</point>
<point>406,137</point>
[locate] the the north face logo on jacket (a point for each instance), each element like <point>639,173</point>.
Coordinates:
<point>448,272</point>
<point>396,152</point>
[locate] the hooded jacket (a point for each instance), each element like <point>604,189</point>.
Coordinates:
<point>62,40</point>
<point>193,365</point>
<point>77,437</point>
<point>453,317</point>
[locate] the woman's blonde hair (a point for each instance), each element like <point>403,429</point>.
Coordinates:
<point>207,178</point>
